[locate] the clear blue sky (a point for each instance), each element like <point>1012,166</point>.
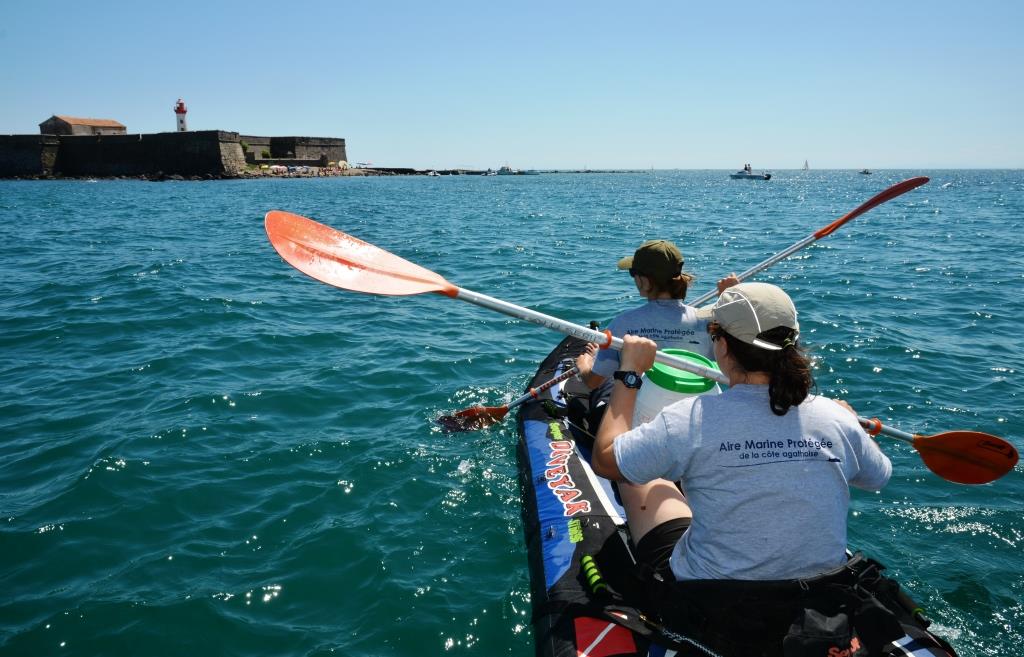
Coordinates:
<point>554,84</point>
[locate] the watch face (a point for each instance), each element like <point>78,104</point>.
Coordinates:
<point>630,379</point>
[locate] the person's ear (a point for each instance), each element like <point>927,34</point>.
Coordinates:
<point>725,345</point>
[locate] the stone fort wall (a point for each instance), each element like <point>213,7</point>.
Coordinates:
<point>200,153</point>
<point>27,155</point>
<point>313,151</point>
<point>183,153</point>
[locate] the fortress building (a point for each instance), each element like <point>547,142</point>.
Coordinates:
<point>70,125</point>
<point>69,146</point>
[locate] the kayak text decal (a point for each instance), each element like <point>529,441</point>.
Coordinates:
<point>558,478</point>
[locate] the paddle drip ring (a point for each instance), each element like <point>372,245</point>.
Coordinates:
<point>874,426</point>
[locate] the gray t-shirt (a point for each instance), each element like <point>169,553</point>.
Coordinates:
<point>769,493</point>
<point>669,322</point>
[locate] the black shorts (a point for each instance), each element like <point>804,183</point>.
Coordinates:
<point>655,549</point>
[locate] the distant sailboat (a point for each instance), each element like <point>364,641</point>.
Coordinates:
<point>806,166</point>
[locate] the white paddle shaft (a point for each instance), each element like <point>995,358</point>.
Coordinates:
<point>892,432</point>
<point>781,255</point>
<point>582,332</point>
<point>876,200</point>
<point>590,335</point>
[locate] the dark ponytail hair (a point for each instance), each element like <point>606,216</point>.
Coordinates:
<point>790,368</point>
<point>676,286</point>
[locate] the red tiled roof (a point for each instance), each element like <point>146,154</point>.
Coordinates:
<point>99,123</point>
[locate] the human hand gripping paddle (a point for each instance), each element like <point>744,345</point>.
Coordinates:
<point>341,260</point>
<point>478,417</point>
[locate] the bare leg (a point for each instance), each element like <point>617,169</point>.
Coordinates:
<point>648,505</point>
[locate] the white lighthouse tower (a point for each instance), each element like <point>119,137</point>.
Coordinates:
<point>180,111</point>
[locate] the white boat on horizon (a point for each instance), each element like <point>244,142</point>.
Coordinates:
<point>744,174</point>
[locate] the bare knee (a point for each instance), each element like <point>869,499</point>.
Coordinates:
<point>649,505</point>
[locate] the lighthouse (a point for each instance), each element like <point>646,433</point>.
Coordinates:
<point>179,111</point>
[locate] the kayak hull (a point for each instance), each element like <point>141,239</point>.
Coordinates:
<point>568,513</point>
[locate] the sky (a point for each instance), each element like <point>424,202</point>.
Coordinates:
<point>555,84</point>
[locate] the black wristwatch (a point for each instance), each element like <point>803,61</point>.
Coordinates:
<point>630,379</point>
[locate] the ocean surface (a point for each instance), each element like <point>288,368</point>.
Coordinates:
<point>205,452</point>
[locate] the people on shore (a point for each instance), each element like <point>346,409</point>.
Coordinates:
<point>765,466</point>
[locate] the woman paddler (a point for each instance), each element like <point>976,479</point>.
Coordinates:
<point>657,271</point>
<point>765,466</point>
<point>656,268</point>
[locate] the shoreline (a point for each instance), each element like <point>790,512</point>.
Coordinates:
<point>307,172</point>
<point>336,172</point>
<point>159,176</point>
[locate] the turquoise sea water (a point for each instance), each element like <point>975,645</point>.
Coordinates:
<point>203,451</point>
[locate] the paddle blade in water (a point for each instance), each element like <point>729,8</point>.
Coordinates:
<point>472,419</point>
<point>966,457</point>
<point>338,259</point>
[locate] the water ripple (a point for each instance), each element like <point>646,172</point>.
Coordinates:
<point>203,448</point>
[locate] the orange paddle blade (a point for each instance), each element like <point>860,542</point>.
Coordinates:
<point>966,457</point>
<point>473,418</point>
<point>331,256</point>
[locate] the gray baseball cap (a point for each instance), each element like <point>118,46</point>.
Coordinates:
<point>747,310</point>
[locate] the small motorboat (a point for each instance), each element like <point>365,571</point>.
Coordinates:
<point>750,175</point>
<point>866,172</point>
